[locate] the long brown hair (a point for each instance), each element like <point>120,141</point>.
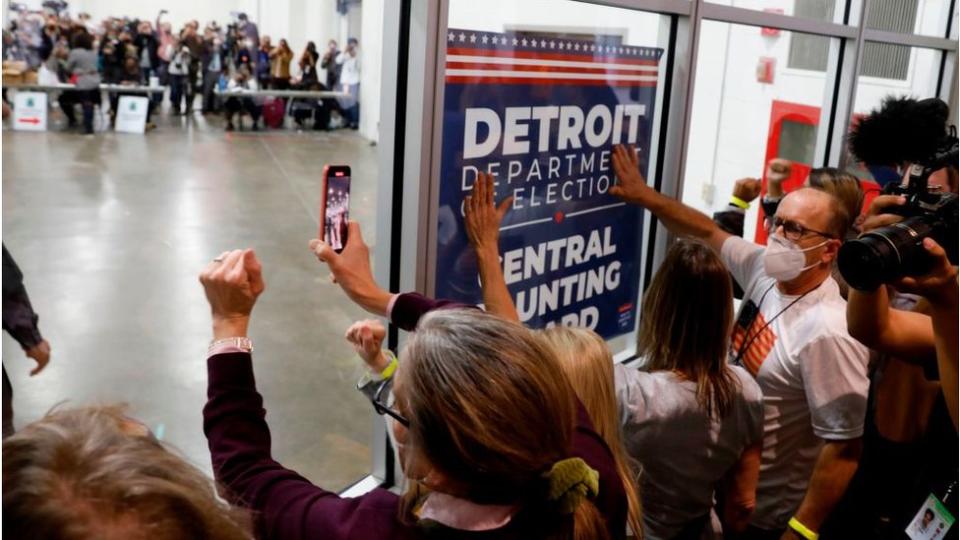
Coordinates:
<point>94,473</point>
<point>490,408</point>
<point>686,324</point>
<point>588,364</point>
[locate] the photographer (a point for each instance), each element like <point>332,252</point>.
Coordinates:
<point>910,440</point>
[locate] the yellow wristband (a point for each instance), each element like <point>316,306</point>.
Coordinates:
<point>802,529</point>
<point>738,202</point>
<point>391,367</point>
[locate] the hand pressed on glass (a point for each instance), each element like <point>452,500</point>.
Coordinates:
<point>632,186</point>
<point>482,216</point>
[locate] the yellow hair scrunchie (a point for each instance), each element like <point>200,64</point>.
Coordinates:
<point>569,481</point>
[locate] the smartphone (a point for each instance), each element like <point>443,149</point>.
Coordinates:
<point>335,206</point>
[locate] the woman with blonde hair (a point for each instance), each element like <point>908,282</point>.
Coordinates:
<point>588,364</point>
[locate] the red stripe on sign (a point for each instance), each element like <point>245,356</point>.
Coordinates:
<point>551,81</point>
<point>547,69</point>
<point>583,57</point>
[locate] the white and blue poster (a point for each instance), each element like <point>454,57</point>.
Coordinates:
<point>541,114</point>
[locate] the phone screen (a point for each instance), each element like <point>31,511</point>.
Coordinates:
<point>336,206</point>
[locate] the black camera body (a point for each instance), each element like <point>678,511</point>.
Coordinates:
<point>886,254</point>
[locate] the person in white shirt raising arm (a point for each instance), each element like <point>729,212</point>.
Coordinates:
<point>791,335</point>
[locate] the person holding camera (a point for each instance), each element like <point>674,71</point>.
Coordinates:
<point>214,66</point>
<point>910,442</point>
<point>190,39</point>
<point>790,334</point>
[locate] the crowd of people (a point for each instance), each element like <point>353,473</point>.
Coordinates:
<point>816,409</point>
<point>193,63</point>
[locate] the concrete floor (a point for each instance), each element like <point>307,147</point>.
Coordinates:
<point>111,232</point>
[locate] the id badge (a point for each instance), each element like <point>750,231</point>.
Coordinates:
<point>932,521</point>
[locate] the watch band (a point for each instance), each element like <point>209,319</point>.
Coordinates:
<point>242,344</point>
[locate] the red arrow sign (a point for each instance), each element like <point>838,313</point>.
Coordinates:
<point>30,120</point>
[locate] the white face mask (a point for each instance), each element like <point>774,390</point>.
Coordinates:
<point>784,260</point>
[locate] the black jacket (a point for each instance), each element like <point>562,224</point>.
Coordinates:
<point>148,41</point>
<point>330,64</point>
<point>19,319</point>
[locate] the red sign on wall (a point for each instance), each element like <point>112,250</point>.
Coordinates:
<point>765,68</point>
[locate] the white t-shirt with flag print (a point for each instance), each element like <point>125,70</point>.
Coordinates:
<point>813,376</point>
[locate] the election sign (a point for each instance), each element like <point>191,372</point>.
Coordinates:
<point>131,114</point>
<point>541,115</point>
<point>30,111</point>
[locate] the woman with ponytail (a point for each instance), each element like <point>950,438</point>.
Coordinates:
<point>587,361</point>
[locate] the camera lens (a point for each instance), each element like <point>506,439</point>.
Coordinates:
<point>884,255</point>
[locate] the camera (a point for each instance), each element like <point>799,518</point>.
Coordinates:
<point>886,254</point>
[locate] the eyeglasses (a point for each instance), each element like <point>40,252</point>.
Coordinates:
<point>379,401</point>
<point>794,231</point>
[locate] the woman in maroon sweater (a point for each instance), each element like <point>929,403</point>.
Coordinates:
<point>488,429</point>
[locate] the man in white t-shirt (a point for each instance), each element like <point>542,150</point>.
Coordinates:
<point>791,334</point>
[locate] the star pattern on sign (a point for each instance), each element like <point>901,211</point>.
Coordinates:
<point>500,39</point>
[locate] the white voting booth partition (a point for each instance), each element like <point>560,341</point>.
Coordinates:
<point>132,114</point>
<point>30,111</point>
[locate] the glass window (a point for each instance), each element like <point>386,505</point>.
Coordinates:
<point>797,141</point>
<point>821,10</point>
<point>749,106</point>
<point>927,17</point>
<point>510,66</point>
<point>120,303</point>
